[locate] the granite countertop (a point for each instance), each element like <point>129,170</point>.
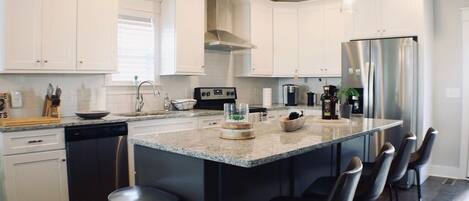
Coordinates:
<point>270,143</point>
<point>113,118</point>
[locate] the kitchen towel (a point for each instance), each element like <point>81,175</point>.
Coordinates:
<point>267,97</point>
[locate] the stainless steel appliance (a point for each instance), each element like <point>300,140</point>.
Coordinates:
<point>97,160</point>
<point>291,94</point>
<point>213,98</point>
<point>385,73</point>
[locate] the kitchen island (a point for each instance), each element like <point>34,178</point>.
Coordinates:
<point>200,166</point>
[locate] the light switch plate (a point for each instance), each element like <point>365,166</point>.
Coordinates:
<point>453,92</point>
<point>16,99</point>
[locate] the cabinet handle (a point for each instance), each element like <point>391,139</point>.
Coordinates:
<point>34,141</point>
<point>81,62</point>
<point>212,124</point>
<point>63,160</point>
<point>45,61</point>
<point>38,61</point>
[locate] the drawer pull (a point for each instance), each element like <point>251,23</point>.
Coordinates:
<point>212,124</point>
<point>34,141</point>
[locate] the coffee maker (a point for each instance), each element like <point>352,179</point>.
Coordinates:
<point>291,94</point>
<point>329,102</point>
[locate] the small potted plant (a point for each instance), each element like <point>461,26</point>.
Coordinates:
<point>346,97</point>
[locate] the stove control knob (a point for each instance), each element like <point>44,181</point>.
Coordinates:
<point>208,93</point>
<point>203,93</point>
<point>227,93</point>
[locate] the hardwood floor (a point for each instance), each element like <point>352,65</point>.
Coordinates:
<point>436,189</point>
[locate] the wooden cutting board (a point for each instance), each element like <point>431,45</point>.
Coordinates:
<point>29,121</point>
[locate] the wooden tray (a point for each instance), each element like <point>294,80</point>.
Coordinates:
<point>230,134</point>
<point>29,121</point>
<point>332,121</point>
<point>236,125</point>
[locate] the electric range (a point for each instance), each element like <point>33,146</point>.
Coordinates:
<point>213,98</point>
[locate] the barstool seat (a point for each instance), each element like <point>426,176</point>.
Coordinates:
<point>138,193</point>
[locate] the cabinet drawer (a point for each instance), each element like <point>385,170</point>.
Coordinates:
<point>210,122</point>
<point>33,141</point>
<point>161,126</point>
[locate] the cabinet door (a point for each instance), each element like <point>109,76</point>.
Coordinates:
<point>285,40</point>
<point>97,35</point>
<point>190,31</point>
<point>398,17</point>
<point>38,176</point>
<point>262,37</point>
<point>365,19</point>
<point>59,34</point>
<point>311,39</point>
<point>23,34</point>
<point>333,38</point>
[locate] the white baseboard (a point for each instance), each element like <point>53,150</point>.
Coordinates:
<point>446,171</point>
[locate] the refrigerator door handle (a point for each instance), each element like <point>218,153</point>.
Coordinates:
<point>371,93</point>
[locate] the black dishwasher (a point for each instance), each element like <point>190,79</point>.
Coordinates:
<point>97,160</point>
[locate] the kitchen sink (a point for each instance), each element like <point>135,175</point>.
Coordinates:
<point>142,114</point>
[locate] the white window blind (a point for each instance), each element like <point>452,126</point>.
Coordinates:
<point>136,49</point>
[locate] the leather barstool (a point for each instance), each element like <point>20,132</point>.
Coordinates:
<point>342,190</point>
<point>137,193</point>
<point>399,164</point>
<point>422,156</point>
<point>370,186</point>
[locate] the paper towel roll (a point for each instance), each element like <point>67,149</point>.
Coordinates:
<point>267,97</point>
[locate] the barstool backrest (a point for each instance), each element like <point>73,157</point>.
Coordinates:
<point>346,185</point>
<point>372,187</point>
<point>426,148</point>
<point>401,159</point>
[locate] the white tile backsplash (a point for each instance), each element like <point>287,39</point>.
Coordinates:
<point>87,92</point>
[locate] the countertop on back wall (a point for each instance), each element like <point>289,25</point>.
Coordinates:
<point>113,118</point>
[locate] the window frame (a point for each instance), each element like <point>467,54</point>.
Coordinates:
<point>142,14</point>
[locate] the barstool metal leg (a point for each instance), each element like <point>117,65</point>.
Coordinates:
<point>419,190</point>
<point>390,192</point>
<point>396,194</point>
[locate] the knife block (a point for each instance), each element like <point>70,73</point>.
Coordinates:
<point>51,108</point>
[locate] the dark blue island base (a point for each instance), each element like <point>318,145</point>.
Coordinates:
<point>196,179</point>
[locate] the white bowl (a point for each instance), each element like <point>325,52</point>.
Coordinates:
<point>184,104</point>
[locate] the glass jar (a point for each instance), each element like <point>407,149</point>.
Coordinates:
<point>236,112</point>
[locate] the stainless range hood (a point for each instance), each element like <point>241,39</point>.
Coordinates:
<point>219,25</point>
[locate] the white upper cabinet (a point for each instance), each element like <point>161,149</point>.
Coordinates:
<point>52,36</point>
<point>398,17</point>
<point>365,22</point>
<point>23,34</point>
<point>321,33</point>
<point>334,35</point>
<point>97,35</point>
<point>182,37</point>
<point>285,40</point>
<point>383,18</point>
<point>59,33</point>
<point>262,37</point>
<point>311,39</point>
<point>254,21</point>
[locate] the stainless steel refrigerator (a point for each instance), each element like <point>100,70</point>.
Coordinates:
<point>385,73</point>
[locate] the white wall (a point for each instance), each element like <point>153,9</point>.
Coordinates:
<point>447,69</point>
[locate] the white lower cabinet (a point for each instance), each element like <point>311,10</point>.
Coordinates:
<point>38,176</point>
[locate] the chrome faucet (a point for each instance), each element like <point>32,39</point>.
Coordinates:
<point>139,103</point>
